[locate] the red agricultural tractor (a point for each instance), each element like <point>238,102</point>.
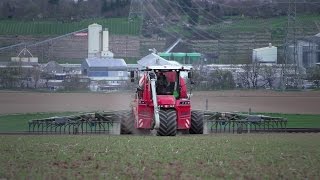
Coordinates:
<point>161,102</point>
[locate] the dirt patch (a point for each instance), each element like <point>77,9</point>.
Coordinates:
<point>258,101</point>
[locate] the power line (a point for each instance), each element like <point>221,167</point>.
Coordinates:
<point>41,42</point>
<point>136,9</point>
<point>255,6</point>
<point>147,10</point>
<point>195,31</point>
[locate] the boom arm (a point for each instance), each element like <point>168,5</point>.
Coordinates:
<point>153,79</point>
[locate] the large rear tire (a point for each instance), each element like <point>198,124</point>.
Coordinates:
<point>197,119</point>
<point>127,123</point>
<point>168,123</point>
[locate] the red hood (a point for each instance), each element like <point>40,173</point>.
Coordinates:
<point>166,100</point>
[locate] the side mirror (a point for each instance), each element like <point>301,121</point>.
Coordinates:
<point>189,75</point>
<point>132,76</point>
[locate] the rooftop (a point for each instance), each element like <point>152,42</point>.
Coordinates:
<point>155,60</point>
<point>105,62</point>
<point>314,39</point>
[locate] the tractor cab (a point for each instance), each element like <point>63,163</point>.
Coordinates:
<point>169,80</point>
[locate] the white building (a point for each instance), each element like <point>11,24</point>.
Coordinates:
<point>265,54</point>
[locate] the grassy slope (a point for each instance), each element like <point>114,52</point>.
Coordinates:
<point>119,26</point>
<point>19,122</point>
<point>305,23</point>
<point>265,156</point>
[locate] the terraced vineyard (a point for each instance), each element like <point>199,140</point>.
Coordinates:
<point>119,26</point>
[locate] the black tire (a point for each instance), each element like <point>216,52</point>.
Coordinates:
<point>196,122</point>
<point>127,123</point>
<point>168,123</point>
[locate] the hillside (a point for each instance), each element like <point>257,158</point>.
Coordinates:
<point>118,26</point>
<point>228,41</point>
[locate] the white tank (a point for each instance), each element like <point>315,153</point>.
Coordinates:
<point>105,44</point>
<point>105,40</point>
<point>24,59</point>
<point>94,40</point>
<point>33,59</point>
<point>15,59</point>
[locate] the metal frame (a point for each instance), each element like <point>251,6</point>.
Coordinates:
<point>95,123</point>
<point>227,122</point>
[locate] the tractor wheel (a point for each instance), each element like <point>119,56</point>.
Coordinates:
<point>127,123</point>
<point>196,122</point>
<point>168,123</point>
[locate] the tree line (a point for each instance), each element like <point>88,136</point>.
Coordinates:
<point>63,10</point>
<point>255,76</point>
<point>204,11</point>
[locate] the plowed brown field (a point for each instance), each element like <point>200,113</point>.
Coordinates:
<point>258,101</point>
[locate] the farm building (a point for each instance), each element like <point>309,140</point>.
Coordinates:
<point>52,67</point>
<point>71,68</point>
<point>265,54</point>
<point>308,51</point>
<point>112,71</point>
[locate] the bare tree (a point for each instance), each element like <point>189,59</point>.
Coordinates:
<point>47,77</point>
<point>268,74</point>
<point>35,76</point>
<point>250,75</point>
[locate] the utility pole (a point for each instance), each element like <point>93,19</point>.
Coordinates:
<point>290,45</point>
<point>136,9</point>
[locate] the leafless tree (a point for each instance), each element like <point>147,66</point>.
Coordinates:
<point>268,74</point>
<point>250,75</point>
<point>35,76</point>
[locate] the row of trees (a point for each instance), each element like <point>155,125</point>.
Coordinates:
<point>65,10</point>
<point>254,76</point>
<point>196,10</point>
<point>14,76</point>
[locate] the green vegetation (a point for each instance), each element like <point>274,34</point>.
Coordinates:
<point>119,26</point>
<point>299,120</point>
<point>264,156</point>
<point>19,122</point>
<point>131,60</point>
<point>235,24</point>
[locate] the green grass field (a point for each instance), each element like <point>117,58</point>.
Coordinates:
<point>223,156</point>
<point>119,26</point>
<point>299,120</point>
<point>19,122</point>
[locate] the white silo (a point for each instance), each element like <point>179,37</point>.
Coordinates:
<point>105,44</point>
<point>105,40</point>
<point>94,40</point>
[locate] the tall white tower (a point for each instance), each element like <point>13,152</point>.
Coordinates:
<point>105,44</point>
<point>94,40</point>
